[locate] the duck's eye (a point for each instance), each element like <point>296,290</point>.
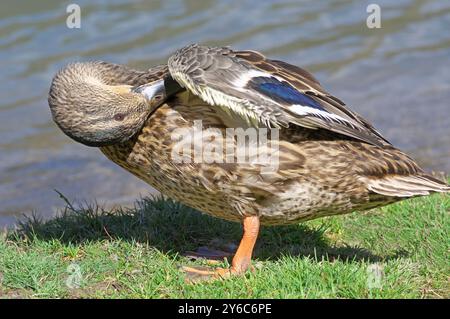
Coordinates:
<point>119,117</point>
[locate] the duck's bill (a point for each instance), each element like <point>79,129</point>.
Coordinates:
<point>153,92</point>
<point>157,92</point>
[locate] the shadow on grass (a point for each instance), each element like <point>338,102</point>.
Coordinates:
<point>174,229</point>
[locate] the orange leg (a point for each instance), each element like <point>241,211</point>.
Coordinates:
<point>243,256</point>
<point>241,260</point>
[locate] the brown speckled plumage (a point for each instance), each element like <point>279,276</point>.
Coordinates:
<point>330,160</point>
<point>319,173</point>
<point>329,168</point>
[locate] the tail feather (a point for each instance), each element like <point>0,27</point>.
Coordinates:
<point>407,186</point>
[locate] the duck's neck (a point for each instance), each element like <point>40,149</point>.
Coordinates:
<point>115,74</point>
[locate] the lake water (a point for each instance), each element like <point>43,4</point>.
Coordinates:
<point>397,76</point>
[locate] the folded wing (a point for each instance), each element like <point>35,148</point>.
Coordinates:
<point>263,91</point>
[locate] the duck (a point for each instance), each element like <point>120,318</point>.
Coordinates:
<point>315,157</point>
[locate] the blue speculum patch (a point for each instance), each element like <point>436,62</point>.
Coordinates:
<point>284,92</point>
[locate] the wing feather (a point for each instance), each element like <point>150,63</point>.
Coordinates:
<point>265,91</point>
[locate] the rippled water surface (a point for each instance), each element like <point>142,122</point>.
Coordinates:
<point>398,77</point>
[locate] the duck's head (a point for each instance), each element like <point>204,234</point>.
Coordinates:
<point>96,103</point>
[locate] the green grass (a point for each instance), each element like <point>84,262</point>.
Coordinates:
<point>136,254</point>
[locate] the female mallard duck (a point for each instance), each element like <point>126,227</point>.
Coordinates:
<point>329,159</point>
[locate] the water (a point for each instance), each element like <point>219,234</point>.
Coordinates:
<point>397,76</point>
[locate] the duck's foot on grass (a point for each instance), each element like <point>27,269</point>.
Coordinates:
<point>196,274</point>
<point>241,260</point>
<point>203,273</point>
